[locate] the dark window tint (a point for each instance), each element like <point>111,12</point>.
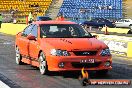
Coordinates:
<point>43,18</point>
<point>63,31</point>
<point>121,21</point>
<point>34,31</point>
<point>127,21</point>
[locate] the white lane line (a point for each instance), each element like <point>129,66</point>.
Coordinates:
<point>3,85</point>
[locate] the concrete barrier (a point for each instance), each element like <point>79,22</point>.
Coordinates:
<point>129,50</point>
<point>118,44</point>
<point>12,29</point>
<point>117,30</point>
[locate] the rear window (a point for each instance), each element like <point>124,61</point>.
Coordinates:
<point>43,18</point>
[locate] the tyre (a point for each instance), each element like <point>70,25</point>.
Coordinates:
<point>18,57</point>
<point>130,26</point>
<point>43,67</point>
<point>102,72</point>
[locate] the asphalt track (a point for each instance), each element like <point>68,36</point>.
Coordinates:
<point>26,76</point>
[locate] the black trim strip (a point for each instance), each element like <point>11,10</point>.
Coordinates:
<point>30,58</point>
<point>9,82</point>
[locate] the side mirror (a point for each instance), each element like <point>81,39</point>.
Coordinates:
<point>95,36</point>
<point>31,37</point>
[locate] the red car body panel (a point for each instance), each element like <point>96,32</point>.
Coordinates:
<point>31,49</point>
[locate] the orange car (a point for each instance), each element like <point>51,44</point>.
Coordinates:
<point>61,46</point>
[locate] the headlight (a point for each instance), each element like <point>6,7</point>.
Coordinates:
<point>59,52</point>
<point>105,52</point>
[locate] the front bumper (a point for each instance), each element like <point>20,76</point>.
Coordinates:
<point>74,63</point>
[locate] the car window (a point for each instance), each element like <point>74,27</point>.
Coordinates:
<point>127,21</point>
<point>34,31</point>
<point>63,31</point>
<point>121,21</point>
<point>27,30</point>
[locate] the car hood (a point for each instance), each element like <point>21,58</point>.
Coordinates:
<point>71,44</point>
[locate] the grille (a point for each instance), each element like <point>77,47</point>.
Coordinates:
<point>85,53</point>
<point>85,65</point>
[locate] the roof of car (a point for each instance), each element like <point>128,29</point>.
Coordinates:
<point>125,19</point>
<point>54,22</point>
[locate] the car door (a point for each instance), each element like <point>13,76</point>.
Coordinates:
<point>33,44</point>
<point>23,41</point>
<point>119,23</point>
<point>122,23</point>
<point>127,23</point>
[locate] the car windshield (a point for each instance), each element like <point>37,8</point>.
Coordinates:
<point>63,31</point>
<point>44,18</point>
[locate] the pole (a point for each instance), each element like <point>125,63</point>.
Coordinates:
<point>27,20</point>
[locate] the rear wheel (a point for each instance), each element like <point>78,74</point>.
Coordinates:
<point>43,64</point>
<point>102,72</point>
<point>18,57</point>
<point>130,26</point>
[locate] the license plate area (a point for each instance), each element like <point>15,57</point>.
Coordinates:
<point>87,61</point>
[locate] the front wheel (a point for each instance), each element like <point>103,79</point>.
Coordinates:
<point>18,57</point>
<point>43,64</point>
